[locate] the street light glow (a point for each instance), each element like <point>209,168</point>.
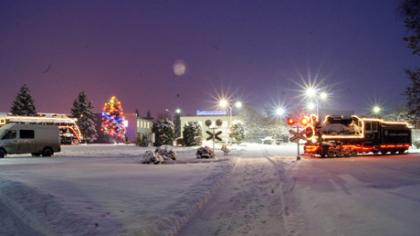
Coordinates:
<point>238,104</point>
<point>280,111</point>
<point>323,96</point>
<point>376,109</point>
<point>311,106</point>
<point>223,103</point>
<point>310,92</point>
<point>178,111</point>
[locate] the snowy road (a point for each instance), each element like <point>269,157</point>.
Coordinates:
<point>253,200</point>
<point>271,195</point>
<point>257,190</point>
<point>359,196</point>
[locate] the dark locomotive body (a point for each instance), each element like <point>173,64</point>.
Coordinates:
<point>338,136</point>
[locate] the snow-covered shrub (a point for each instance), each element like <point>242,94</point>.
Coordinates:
<point>192,134</point>
<point>205,153</point>
<point>166,154</point>
<point>225,149</point>
<point>417,143</point>
<point>159,156</point>
<point>237,132</point>
<point>164,132</point>
<point>150,157</point>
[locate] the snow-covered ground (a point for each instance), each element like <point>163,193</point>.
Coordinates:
<point>255,190</point>
<point>102,190</point>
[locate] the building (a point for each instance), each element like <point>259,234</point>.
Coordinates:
<point>202,116</point>
<point>144,126</point>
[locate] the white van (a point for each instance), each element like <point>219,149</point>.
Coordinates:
<point>26,138</point>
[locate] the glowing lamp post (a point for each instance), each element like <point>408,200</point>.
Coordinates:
<point>225,104</point>
<point>280,111</point>
<point>313,94</point>
<point>376,110</point>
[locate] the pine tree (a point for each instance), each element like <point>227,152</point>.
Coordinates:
<point>23,104</point>
<point>237,132</point>
<point>192,134</point>
<point>164,132</point>
<point>410,10</point>
<point>82,110</point>
<point>113,120</point>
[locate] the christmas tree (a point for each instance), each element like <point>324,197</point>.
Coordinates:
<point>82,110</point>
<point>23,104</point>
<point>113,120</point>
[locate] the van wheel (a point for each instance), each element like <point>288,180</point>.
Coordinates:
<point>47,152</point>
<point>2,153</point>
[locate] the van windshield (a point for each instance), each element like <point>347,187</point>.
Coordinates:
<point>9,134</point>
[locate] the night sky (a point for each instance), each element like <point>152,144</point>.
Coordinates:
<point>256,50</point>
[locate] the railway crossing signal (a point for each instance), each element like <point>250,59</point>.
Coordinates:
<point>213,135</point>
<point>297,135</point>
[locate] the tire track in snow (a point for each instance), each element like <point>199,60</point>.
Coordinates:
<point>181,212</point>
<point>292,215</point>
<point>251,201</point>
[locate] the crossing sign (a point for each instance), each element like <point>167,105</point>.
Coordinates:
<point>296,136</point>
<point>214,135</point>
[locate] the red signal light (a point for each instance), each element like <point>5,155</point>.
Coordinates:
<point>290,121</point>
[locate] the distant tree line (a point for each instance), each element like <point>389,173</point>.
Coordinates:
<point>82,109</point>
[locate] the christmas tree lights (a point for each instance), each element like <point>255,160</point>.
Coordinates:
<point>113,120</point>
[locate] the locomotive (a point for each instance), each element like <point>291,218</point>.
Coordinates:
<point>347,136</point>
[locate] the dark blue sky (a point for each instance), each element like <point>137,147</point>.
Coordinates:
<point>256,49</point>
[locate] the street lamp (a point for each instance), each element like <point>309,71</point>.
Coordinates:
<point>323,96</point>
<point>310,92</point>
<point>280,111</point>
<point>376,109</point>
<point>311,106</point>
<point>315,96</point>
<point>225,104</point>
<point>178,111</point>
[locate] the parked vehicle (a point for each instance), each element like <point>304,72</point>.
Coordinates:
<point>69,131</point>
<point>35,139</point>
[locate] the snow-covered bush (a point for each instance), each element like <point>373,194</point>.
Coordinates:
<point>237,132</point>
<point>166,154</point>
<point>192,134</point>
<point>150,157</point>
<point>164,132</point>
<point>159,156</point>
<point>205,153</point>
